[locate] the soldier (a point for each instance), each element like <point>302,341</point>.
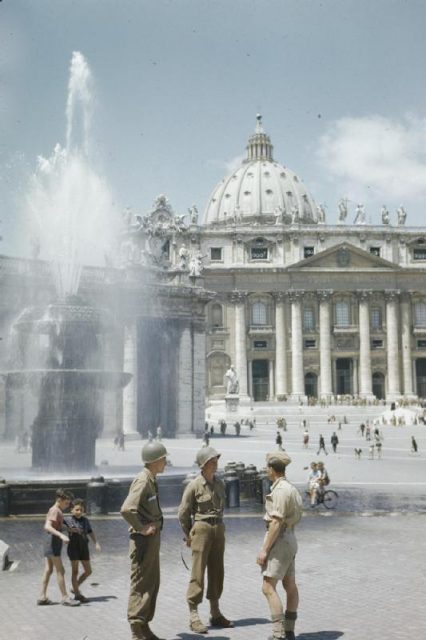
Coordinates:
<point>141,509</point>
<point>201,517</point>
<point>276,557</point>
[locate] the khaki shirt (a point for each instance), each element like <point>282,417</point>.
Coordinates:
<point>284,502</point>
<point>201,501</point>
<point>142,507</point>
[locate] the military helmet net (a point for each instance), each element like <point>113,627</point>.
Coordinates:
<point>205,454</point>
<point>153,451</point>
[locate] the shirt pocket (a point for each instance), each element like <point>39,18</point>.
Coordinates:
<point>204,503</point>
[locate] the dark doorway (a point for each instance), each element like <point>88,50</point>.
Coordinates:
<point>311,385</point>
<point>344,376</point>
<point>260,379</point>
<point>421,377</point>
<point>379,385</point>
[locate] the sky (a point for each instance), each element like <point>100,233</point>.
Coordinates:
<point>177,85</point>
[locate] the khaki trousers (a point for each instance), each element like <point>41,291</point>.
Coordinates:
<point>208,546</point>
<point>144,552</point>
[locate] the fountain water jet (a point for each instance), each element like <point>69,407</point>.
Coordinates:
<point>73,216</point>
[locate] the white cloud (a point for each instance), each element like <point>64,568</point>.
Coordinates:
<point>376,157</point>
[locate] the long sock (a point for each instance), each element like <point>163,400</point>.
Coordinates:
<point>290,618</point>
<point>193,612</point>
<point>277,626</point>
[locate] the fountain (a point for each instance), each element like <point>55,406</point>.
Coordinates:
<point>62,343</point>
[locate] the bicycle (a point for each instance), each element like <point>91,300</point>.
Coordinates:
<point>328,498</point>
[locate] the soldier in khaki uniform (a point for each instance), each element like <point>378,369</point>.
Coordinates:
<point>141,509</point>
<point>201,517</point>
<point>276,557</point>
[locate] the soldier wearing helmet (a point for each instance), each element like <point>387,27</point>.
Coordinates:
<point>201,517</point>
<point>283,507</point>
<point>141,509</point>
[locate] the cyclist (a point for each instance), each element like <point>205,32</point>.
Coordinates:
<point>324,479</point>
<point>314,483</point>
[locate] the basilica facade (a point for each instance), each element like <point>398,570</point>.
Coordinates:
<point>303,308</point>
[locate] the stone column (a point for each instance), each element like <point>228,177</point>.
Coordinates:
<point>365,379</point>
<point>297,378</point>
<point>407,363</point>
<point>271,380</point>
<point>326,388</point>
<point>239,300</point>
<point>281,331</point>
<point>184,385</point>
<point>130,365</point>
<point>393,387</point>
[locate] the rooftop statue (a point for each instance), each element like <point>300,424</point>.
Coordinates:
<point>402,215</point>
<point>321,213</point>
<point>343,209</point>
<point>385,215</point>
<point>360,216</point>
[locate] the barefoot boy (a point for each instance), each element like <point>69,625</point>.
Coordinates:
<point>53,546</point>
<point>80,530</point>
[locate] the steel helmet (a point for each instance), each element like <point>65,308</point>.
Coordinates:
<point>205,454</point>
<point>153,451</point>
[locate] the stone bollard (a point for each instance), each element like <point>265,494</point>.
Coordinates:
<point>230,466</point>
<point>96,496</point>
<point>4,498</point>
<point>232,485</point>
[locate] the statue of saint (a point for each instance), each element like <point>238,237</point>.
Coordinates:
<point>193,214</point>
<point>360,214</point>
<point>232,384</point>
<point>343,209</point>
<point>321,213</point>
<point>385,215</point>
<point>196,265</point>
<point>402,215</point>
<point>183,258</point>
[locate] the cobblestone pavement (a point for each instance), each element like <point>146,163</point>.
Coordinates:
<point>358,577</point>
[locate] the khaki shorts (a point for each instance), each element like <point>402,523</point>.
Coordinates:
<point>280,562</point>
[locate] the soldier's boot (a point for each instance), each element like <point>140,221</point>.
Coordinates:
<point>141,631</point>
<point>195,623</point>
<point>217,619</point>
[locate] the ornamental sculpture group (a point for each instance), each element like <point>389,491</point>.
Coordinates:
<point>360,214</point>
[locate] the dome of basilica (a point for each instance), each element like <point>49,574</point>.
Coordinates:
<point>261,190</point>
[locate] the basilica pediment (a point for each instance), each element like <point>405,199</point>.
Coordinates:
<point>346,257</point>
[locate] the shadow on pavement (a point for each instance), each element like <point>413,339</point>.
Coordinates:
<point>194,636</point>
<point>102,598</point>
<point>249,622</point>
<point>321,635</point>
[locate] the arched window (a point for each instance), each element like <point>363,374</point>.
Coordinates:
<point>342,313</point>
<point>216,316</point>
<point>308,319</point>
<point>259,313</point>
<point>420,314</point>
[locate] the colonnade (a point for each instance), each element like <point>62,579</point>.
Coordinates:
<point>289,379</point>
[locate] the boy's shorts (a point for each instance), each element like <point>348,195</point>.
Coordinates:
<point>78,548</point>
<point>52,546</point>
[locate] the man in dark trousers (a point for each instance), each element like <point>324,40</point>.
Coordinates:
<point>321,445</point>
<point>141,509</point>
<point>334,441</point>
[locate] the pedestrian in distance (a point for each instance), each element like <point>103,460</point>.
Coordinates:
<point>358,453</point>
<point>305,439</point>
<point>276,558</point>
<point>362,429</point>
<point>79,531</point>
<point>414,447</point>
<point>237,427</point>
<point>321,445</point>
<point>371,452</point>
<point>279,441</point>
<point>54,539</point>
<point>141,509</point>
<point>201,518</point>
<point>334,441</point>
<point>206,439</point>
<point>159,433</point>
